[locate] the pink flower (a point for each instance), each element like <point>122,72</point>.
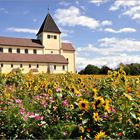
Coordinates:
<point>114,110</point>
<point>65,102</point>
<point>120,134</point>
<point>26,116</point>
<point>18,101</point>
<point>57,89</point>
<point>22,111</point>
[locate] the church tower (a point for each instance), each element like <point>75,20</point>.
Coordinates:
<point>50,36</point>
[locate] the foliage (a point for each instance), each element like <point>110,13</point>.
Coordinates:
<point>69,106</point>
<point>130,69</point>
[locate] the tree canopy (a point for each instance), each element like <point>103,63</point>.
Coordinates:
<point>130,69</point>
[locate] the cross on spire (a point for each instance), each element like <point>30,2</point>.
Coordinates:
<point>48,9</point>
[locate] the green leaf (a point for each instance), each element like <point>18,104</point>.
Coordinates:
<point>133,115</point>
<point>85,121</point>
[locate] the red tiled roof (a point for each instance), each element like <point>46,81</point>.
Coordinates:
<point>33,58</point>
<point>22,42</point>
<point>67,47</point>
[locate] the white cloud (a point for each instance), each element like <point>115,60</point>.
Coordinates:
<point>72,17</point>
<point>110,61</point>
<point>3,10</point>
<point>110,52</point>
<point>130,8</point>
<point>123,30</point>
<point>22,30</point>
<point>98,2</point>
<point>106,22</point>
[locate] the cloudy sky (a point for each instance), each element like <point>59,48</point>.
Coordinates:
<point>103,32</point>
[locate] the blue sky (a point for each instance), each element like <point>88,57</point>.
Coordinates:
<point>103,32</point>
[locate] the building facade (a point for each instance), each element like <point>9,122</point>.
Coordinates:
<point>46,54</point>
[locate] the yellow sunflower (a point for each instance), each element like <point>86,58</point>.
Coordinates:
<point>99,101</point>
<point>50,91</point>
<point>71,106</point>
<point>79,99</point>
<point>93,105</point>
<point>96,116</point>
<point>100,135</point>
<point>128,96</point>
<point>82,129</point>
<point>83,105</point>
<point>106,106</point>
<point>94,92</point>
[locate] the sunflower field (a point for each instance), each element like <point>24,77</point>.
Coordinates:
<point>69,106</point>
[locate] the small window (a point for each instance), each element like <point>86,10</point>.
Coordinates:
<point>35,51</point>
<point>1,49</point>
<point>37,66</point>
<point>48,36</point>
<point>10,50</point>
<point>63,67</point>
<point>26,50</point>
<point>55,37</point>
<point>11,65</point>
<point>51,51</point>
<point>18,50</point>
<point>1,65</point>
<point>21,65</point>
<point>29,65</point>
<point>54,67</point>
<point>67,59</point>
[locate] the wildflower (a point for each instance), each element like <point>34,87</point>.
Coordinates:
<point>96,116</point>
<point>79,99</point>
<point>54,108</point>
<point>94,92</point>
<point>55,85</point>
<point>120,134</point>
<point>50,91</point>
<point>82,129</point>
<point>81,138</point>
<point>100,135</point>
<point>22,110</point>
<point>35,88</point>
<point>128,96</point>
<point>88,130</point>
<point>71,106</point>
<point>106,107</point>
<point>83,105</point>
<point>93,105</point>
<point>99,101</point>
<point>82,84</point>
<point>65,102</point>
<point>129,89</point>
<point>113,110</point>
<point>57,89</point>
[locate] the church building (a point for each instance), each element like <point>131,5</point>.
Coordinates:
<point>46,54</point>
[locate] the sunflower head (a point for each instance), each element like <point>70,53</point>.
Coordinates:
<point>71,106</point>
<point>96,117</point>
<point>100,135</point>
<point>94,92</point>
<point>99,102</point>
<point>82,129</point>
<point>83,105</point>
